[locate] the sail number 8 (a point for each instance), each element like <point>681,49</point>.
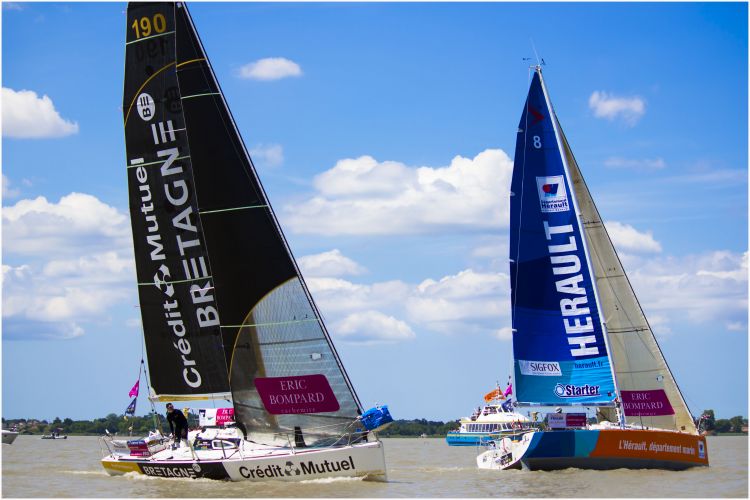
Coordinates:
<point>144,26</point>
<point>537,142</point>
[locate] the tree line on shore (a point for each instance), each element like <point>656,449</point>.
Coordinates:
<point>140,426</point>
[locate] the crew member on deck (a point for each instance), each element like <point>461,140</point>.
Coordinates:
<point>177,424</point>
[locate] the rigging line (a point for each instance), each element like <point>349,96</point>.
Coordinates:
<point>161,162</point>
<point>274,323</point>
<point>535,52</point>
<point>204,212</point>
<point>138,92</point>
<point>175,282</point>
<point>149,37</point>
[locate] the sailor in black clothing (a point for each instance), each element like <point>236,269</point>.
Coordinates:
<point>177,424</point>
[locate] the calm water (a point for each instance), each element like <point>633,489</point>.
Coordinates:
<point>32,467</point>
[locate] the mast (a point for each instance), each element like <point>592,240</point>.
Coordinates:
<point>584,237</point>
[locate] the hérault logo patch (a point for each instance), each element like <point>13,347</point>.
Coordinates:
<point>553,197</point>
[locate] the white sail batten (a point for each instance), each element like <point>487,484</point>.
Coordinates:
<point>636,357</point>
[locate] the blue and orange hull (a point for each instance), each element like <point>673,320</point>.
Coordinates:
<point>614,449</point>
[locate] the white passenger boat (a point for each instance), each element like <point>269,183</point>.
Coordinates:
<point>493,421</point>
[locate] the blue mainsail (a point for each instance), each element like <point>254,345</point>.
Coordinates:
<point>559,348</point>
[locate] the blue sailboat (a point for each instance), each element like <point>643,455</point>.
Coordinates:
<point>580,337</point>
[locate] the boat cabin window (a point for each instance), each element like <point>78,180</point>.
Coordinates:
<point>222,444</point>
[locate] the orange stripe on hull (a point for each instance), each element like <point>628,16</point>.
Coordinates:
<point>651,445</point>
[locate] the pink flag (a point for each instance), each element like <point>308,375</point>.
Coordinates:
<point>508,390</point>
<point>134,391</point>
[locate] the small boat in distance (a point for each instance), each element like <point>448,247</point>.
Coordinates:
<point>54,435</point>
<point>9,436</point>
<point>226,314</point>
<point>580,337</point>
<point>495,420</point>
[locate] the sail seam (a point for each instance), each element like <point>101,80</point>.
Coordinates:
<point>199,95</point>
<point>202,278</point>
<point>160,162</point>
<point>150,37</point>
<point>274,323</point>
<point>632,329</point>
<point>300,341</point>
<point>204,212</point>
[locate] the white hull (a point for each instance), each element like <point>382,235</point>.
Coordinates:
<point>506,453</point>
<point>257,463</point>
<point>9,436</point>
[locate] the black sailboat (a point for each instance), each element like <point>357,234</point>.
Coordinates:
<point>225,310</point>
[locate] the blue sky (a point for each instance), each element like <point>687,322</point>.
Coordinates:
<point>384,136</point>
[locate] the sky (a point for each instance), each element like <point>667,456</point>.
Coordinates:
<point>383,134</point>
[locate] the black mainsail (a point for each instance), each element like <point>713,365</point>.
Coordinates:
<point>222,300</point>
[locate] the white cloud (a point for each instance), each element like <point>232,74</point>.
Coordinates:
<point>9,192</point>
<point>628,238</point>
<point>467,302</point>
<point>28,116</point>
<point>372,327</point>
<point>363,196</point>
<point>270,68</point>
<point>338,297</point>
<point>38,303</point>
<point>505,333</point>
<point>629,109</point>
<point>633,164</point>
<point>660,325</point>
<point>705,288</point>
<point>271,155</point>
<point>75,265</point>
<point>330,264</point>
<point>736,326</point>
<point>37,226</point>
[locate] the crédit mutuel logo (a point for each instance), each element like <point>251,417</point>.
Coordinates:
<point>540,368</point>
<point>553,196</point>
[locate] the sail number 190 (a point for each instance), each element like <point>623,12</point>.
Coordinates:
<point>144,26</point>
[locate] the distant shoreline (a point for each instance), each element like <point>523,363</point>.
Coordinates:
<point>136,427</point>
